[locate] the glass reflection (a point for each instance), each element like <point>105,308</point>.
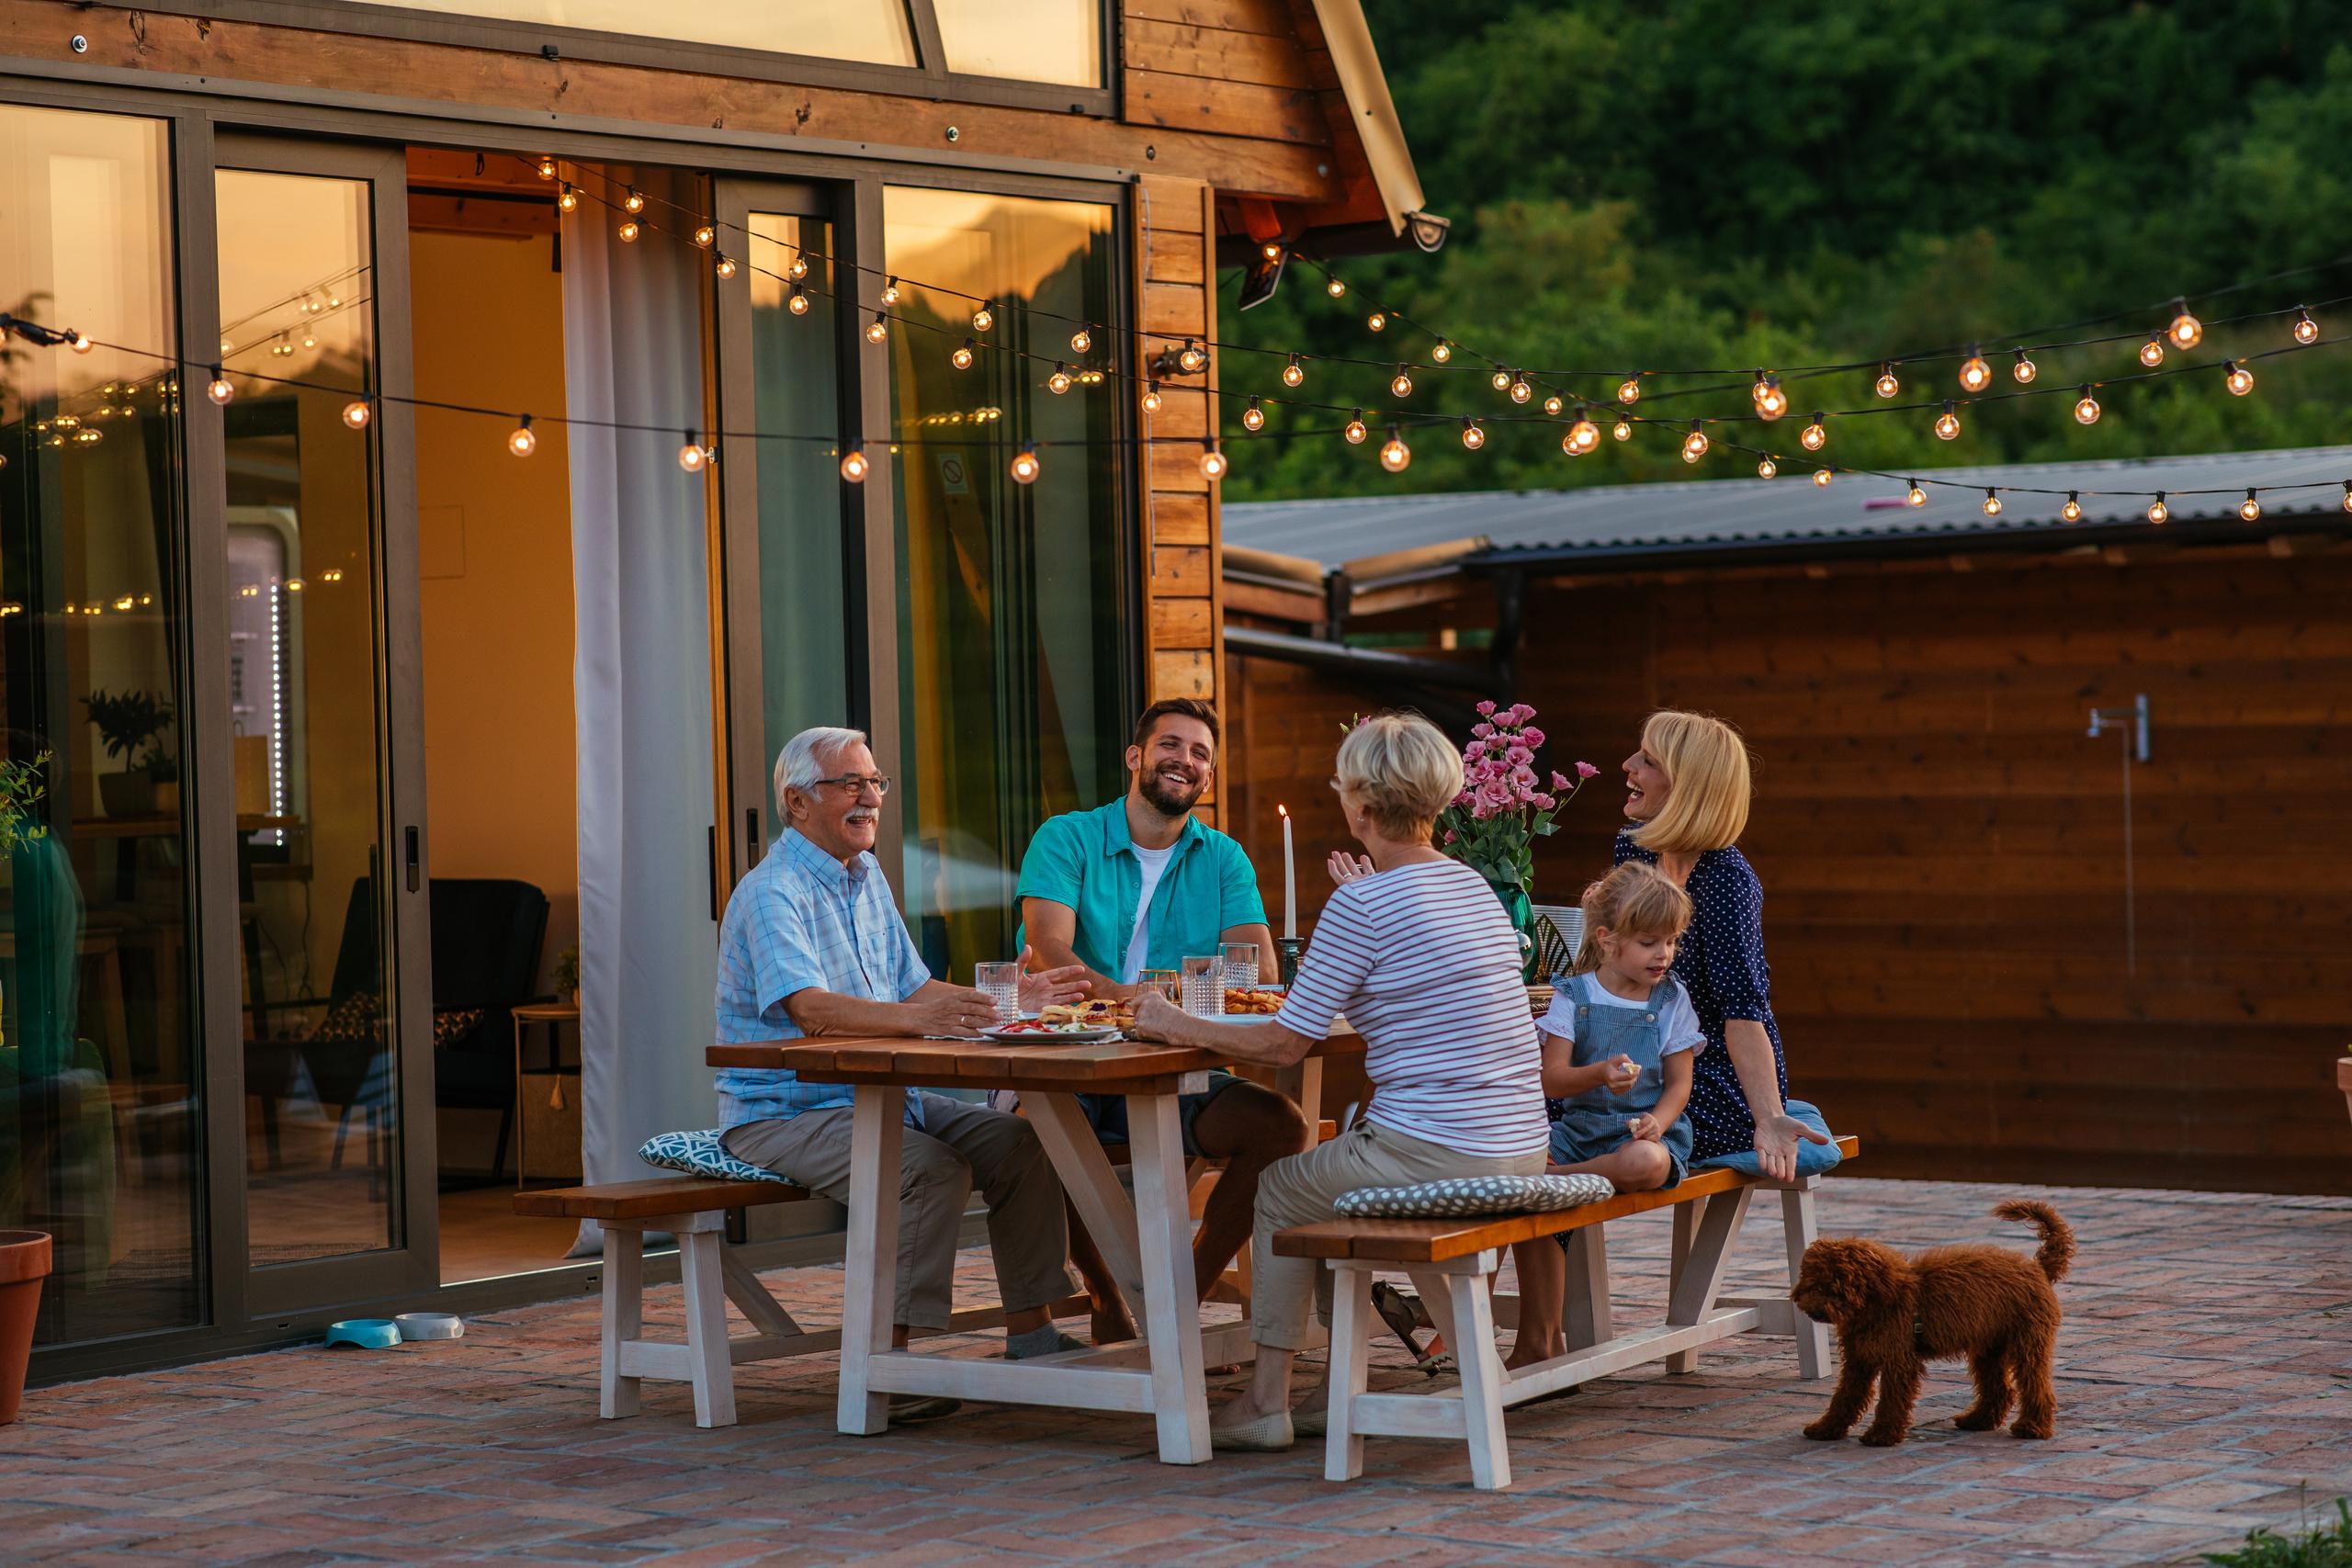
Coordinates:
<point>99,1097</point>
<point>1024,40</point>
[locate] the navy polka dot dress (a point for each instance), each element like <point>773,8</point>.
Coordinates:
<point>1721,963</point>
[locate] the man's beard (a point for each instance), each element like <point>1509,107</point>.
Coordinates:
<point>1160,793</point>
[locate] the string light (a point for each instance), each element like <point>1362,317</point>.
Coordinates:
<point>2186,332</point>
<point>1393,454</point>
<point>1583,436</point>
<point>2237,378</point>
<point>1991,502</point>
<point>2249,509</point>
<point>356,414</point>
<point>891,295</point>
<point>1886,386</point>
<point>1553,405</point>
<point>1770,401</point>
<point>2158,512</point>
<point>1766,467</point>
<point>2073,510</point>
<point>1814,435</point>
<point>1975,374</point>
<point>694,454</point>
<point>1472,436</point>
<point>1694,445</point>
<point>2023,369</point>
<point>628,232</point>
<point>218,388</point>
<point>2085,406</point>
<point>1622,430</point>
<point>797,301</point>
<point>879,328</point>
<point>1501,379</point>
<point>798,267</point>
<point>1253,417</point>
<point>1059,382</point>
<point>1947,421</point>
<point>1443,352</point>
<point>1377,320</point>
<point>1333,286</point>
<point>1914,496</point>
<point>633,202</point>
<point>1025,463</point>
<point>1401,384</point>
<point>704,237</point>
<point>1294,373</point>
<point>520,441</point>
<point>2347,495</point>
<point>570,200</point>
<point>1820,478</point>
<point>1520,391</point>
<point>853,466</point>
<point>547,167</point>
<point>962,358</point>
<point>1151,393</point>
<point>2152,353</point>
<point>1355,431</point>
<point>724,265</point>
<point>982,320</point>
<point>1079,340</point>
<point>2306,330</point>
<point>1213,463</point>
<point>1629,390</point>
<point>1192,358</point>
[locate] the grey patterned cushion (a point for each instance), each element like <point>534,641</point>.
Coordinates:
<point>700,1154</point>
<point>1476,1195</point>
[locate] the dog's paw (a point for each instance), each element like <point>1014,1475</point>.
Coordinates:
<point>1824,1431</point>
<point>2024,1430</point>
<point>1874,1438</point>
<point>1975,1421</point>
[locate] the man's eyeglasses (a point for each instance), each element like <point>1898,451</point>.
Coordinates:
<point>856,785</point>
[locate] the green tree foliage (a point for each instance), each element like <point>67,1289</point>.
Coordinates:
<point>1707,183</point>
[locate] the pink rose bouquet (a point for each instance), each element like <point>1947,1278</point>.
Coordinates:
<point>1505,806</point>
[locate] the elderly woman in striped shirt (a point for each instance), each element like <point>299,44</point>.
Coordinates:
<point>1421,957</point>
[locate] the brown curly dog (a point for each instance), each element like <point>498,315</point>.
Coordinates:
<point>1894,1314</point>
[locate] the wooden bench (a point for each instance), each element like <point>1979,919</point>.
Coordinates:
<point>1453,1261</point>
<point>694,1209</point>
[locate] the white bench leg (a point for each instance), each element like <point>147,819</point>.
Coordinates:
<point>709,1354</point>
<point>1351,1319</point>
<point>1585,1316</point>
<point>1686,1229</point>
<point>1473,1329</point>
<point>1693,1295</point>
<point>1797,1222</point>
<point>624,1317</point>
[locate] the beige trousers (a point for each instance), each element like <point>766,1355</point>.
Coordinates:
<point>958,1146</point>
<point>1300,1190</point>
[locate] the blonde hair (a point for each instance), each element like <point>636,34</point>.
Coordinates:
<point>1706,762</point>
<point>1635,899</point>
<point>1402,770</point>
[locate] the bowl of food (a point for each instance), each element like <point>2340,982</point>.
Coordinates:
<point>1253,1004</point>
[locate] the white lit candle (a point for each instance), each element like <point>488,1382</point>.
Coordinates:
<point>1290,878</point>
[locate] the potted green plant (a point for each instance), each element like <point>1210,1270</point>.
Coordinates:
<point>567,973</point>
<point>131,725</point>
<point>24,1265</point>
<point>1504,807</point>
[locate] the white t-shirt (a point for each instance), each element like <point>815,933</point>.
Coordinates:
<point>1155,864</point>
<point>1679,1027</point>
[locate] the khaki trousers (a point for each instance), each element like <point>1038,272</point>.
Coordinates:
<point>959,1145</point>
<point>1301,1190</point>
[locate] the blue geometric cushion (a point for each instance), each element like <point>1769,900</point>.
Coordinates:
<point>1477,1195</point>
<point>700,1154</point>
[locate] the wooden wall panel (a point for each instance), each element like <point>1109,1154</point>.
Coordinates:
<point>1180,521</point>
<point>1942,843</point>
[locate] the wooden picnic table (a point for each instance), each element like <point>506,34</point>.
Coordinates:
<point>1147,1240</point>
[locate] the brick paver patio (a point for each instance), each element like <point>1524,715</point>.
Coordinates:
<point>2204,1372</point>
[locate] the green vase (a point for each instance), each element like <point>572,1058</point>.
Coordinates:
<point>1521,911</point>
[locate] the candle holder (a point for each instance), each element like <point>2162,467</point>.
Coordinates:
<point>1287,948</point>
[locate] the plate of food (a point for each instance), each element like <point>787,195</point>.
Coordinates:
<point>1095,1014</point>
<point>1038,1031</point>
<point>1252,1004</point>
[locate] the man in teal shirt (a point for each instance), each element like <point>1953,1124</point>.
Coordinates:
<point>1141,884</point>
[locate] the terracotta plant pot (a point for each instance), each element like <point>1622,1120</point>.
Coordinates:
<point>24,1264</point>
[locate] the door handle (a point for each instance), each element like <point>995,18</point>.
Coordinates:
<point>415,871</point>
<point>751,839</point>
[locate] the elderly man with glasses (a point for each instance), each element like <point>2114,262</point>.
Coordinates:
<point>813,944</point>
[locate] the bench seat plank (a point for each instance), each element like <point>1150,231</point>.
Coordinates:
<point>652,1198</point>
<point>1439,1240</point>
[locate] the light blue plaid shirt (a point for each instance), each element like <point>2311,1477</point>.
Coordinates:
<point>801,920</point>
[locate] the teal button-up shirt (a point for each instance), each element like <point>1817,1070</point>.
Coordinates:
<point>1086,862</point>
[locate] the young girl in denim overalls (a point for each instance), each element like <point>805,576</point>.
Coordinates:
<point>1618,1044</point>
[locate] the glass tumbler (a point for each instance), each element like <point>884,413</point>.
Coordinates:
<point>1164,981</point>
<point>1240,964</point>
<point>1203,984</point>
<point>1001,983</point>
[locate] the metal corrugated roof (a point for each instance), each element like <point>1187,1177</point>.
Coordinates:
<point>1716,515</point>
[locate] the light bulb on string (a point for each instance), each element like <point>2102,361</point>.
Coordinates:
<point>1815,435</point>
<point>1766,468</point>
<point>2073,510</point>
<point>1059,382</point>
<point>1355,431</point>
<point>1947,421</point>
<point>633,201</point>
<point>1583,436</point>
<point>2085,406</point>
<point>853,466</point>
<point>1622,430</point>
<point>2347,495</point>
<point>520,441</point>
<point>218,388</point>
<point>628,232</point>
<point>1520,391</point>
<point>1501,379</point>
<point>356,414</point>
<point>1886,386</point>
<point>1377,320</point>
<point>1472,436</point>
<point>1192,358</point>
<point>1151,397</point>
<point>1694,445</point>
<point>1629,390</point>
<point>1294,373</point>
<point>1393,454</point>
<point>1081,341</point>
<point>2237,378</point>
<point>1271,250</point>
<point>983,319</point>
<point>797,269</point>
<point>1443,352</point>
<point>1253,417</point>
<point>2249,509</point>
<point>797,301</point>
<point>1991,502</point>
<point>2022,370</point>
<point>693,455</point>
<point>570,200</point>
<point>1333,286</point>
<point>962,358</point>
<point>310,340</point>
<point>1213,463</point>
<point>1770,401</point>
<point>1975,374</point>
<point>890,291</point>
<point>705,236</point>
<point>1821,478</point>
<point>1553,405</point>
<point>1914,496</point>
<point>879,328</point>
<point>2158,512</point>
<point>724,266</point>
<point>2152,353</point>
<point>1025,463</point>
<point>547,167</point>
<point>2186,332</point>
<point>2305,330</point>
<point>1401,384</point>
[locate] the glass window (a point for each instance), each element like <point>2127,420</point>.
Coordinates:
<point>1010,652</point>
<point>100,1107</point>
<point>876,31</point>
<point>1024,40</point>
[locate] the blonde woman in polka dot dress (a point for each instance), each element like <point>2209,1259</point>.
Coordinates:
<point>1686,803</point>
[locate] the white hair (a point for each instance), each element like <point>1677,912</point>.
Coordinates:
<point>806,756</point>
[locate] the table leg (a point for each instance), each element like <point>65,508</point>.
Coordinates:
<point>1092,1183</point>
<point>522,1121</point>
<point>870,1282</point>
<point>1171,1313</point>
<point>1304,1083</point>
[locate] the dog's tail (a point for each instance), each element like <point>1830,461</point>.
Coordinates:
<point>2057,1237</point>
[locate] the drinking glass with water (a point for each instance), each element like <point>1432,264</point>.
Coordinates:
<point>1001,983</point>
<point>1204,983</point>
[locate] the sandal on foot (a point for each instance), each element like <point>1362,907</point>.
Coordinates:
<point>1266,1435</point>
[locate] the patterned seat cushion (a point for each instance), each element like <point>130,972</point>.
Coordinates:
<point>1475,1195</point>
<point>700,1154</point>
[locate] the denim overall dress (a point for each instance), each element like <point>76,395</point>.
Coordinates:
<point>1590,1125</point>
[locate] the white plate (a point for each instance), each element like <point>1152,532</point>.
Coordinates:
<point>1060,1037</point>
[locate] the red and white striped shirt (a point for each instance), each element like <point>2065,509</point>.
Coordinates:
<point>1424,962</point>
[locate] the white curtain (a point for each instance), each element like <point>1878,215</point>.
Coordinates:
<point>632,332</point>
